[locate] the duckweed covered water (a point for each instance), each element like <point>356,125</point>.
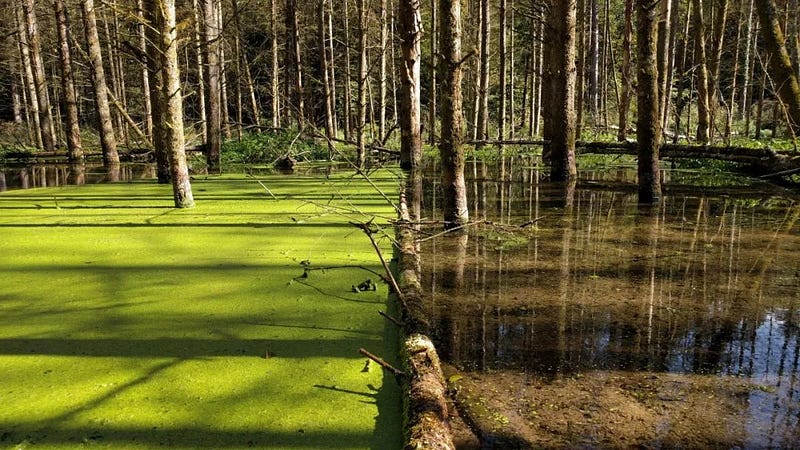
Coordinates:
<point>125,323</point>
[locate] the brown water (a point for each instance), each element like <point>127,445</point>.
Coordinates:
<point>579,319</point>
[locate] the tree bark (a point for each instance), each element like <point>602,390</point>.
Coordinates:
<point>454,202</point>
<point>171,101</point>
<point>502,107</point>
<point>29,86</point>
<point>648,132</point>
<point>275,105</point>
<point>560,85</point>
<point>483,83</point>
<point>783,74</point>
<point>295,61</point>
<point>361,83</point>
<point>148,105</point>
<point>213,84</point>
<point>627,84</point>
<point>73,130</point>
<point>326,82</point>
<point>40,83</point>
<point>108,139</point>
<point>703,97</point>
<point>433,97</point>
<point>410,107</point>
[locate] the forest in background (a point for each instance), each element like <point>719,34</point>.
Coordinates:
<point>334,69</point>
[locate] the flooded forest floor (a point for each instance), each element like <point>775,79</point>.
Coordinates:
<point>569,317</point>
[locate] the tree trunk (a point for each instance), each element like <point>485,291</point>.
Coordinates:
<point>721,18</point>
<point>382,104</point>
<point>560,85</point>
<point>108,139</point>
<point>32,103</point>
<point>213,84</point>
<point>326,82</point>
<point>410,108</point>
<point>171,104</point>
<point>648,133</point>
<point>783,74</point>
<point>455,208</point>
<point>627,84</point>
<point>746,64</point>
<point>502,107</point>
<point>156,84</point>
<point>275,105</point>
<point>295,61</point>
<point>148,106</point>
<point>39,81</point>
<point>361,83</point>
<point>703,97</point>
<point>593,70</point>
<point>199,38</point>
<point>483,83</point>
<point>663,52</point>
<point>73,130</point>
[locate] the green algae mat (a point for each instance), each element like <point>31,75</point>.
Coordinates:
<point>125,323</point>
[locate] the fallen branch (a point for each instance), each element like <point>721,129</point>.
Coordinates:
<point>394,370</point>
<point>392,319</point>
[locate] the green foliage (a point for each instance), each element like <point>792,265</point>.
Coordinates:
<point>264,148</point>
<point>8,151</point>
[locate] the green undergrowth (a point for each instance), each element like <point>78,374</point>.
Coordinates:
<point>125,323</point>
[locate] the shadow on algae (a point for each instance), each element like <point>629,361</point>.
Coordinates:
<point>125,323</point>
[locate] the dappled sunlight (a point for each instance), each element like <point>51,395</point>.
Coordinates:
<point>142,327</point>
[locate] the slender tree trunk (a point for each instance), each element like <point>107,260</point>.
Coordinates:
<point>156,84</point>
<point>783,74</point>
<point>746,64</point>
<point>703,97</point>
<point>326,82</point>
<point>32,103</point>
<point>361,85</point>
<point>483,82</point>
<point>648,133</point>
<point>275,105</point>
<point>199,39</point>
<point>502,107</point>
<point>410,106</point>
<point>560,84</point>
<point>627,84</point>
<point>332,67</point>
<point>73,130</point>
<point>16,102</point>
<point>594,60</point>
<point>434,94</point>
<point>382,103</point>
<point>108,139</point>
<point>148,106</point>
<point>581,42</point>
<point>213,84</point>
<point>455,207</point>
<point>39,81</point>
<point>721,18</point>
<point>296,61</point>
<point>663,52</point>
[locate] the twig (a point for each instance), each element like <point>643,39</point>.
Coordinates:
<point>265,187</point>
<point>389,275</point>
<point>392,319</point>
<point>433,236</point>
<point>397,372</point>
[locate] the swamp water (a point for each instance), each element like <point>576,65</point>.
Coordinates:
<point>570,318</point>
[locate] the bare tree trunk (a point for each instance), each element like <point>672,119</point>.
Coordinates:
<point>16,102</point>
<point>275,105</point>
<point>108,139</point>
<point>156,84</point>
<point>648,133</point>
<point>332,67</point>
<point>410,104</point>
<point>502,107</point>
<point>455,207</point>
<point>560,84</point>
<point>593,63</point>
<point>199,38</point>
<point>32,103</point>
<point>483,83</point>
<point>783,73</point>
<point>433,97</point>
<point>382,104</point>
<point>171,102</point>
<point>746,64</point>
<point>361,83</point>
<point>663,52</point>
<point>721,18</point>
<point>73,131</point>
<point>213,84</point>
<point>148,106</point>
<point>703,97</point>
<point>40,83</point>
<point>627,82</point>
<point>295,61</point>
<point>326,82</point>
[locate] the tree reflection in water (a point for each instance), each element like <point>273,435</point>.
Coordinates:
<point>707,283</point>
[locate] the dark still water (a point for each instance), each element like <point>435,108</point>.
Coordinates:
<point>30,176</point>
<point>562,283</point>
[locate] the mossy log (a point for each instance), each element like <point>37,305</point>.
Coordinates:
<point>425,388</point>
